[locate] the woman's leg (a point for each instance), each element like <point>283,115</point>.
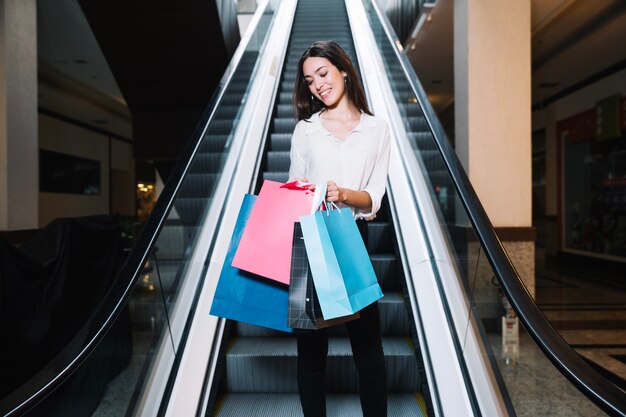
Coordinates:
<point>312,352</point>
<point>367,348</point>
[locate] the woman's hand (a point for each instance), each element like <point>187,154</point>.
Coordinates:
<point>334,193</point>
<point>357,199</point>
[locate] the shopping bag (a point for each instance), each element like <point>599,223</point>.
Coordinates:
<point>342,271</point>
<point>246,297</point>
<point>265,247</point>
<point>304,308</point>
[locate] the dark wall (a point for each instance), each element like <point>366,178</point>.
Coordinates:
<point>167,58</point>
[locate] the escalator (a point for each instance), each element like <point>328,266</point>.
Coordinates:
<point>429,245</point>
<point>260,364</point>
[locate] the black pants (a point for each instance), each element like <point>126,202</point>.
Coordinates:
<point>367,348</point>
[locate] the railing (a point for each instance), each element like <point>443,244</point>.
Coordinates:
<point>130,332</point>
<point>479,257</point>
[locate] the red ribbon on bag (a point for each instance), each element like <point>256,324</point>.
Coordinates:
<point>306,186</point>
<point>299,185</point>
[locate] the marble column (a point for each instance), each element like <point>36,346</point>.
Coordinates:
<point>492,77</point>
<point>19,171</point>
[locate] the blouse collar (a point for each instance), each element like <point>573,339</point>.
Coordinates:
<point>316,125</point>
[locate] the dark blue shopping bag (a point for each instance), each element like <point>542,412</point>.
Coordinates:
<point>342,271</point>
<point>247,297</point>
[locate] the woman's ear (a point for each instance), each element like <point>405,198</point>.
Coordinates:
<point>344,74</point>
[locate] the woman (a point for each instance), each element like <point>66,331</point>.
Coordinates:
<point>337,140</point>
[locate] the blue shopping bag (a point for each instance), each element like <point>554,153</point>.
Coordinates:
<point>342,271</point>
<point>247,297</point>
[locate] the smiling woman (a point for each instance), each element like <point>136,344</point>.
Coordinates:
<point>339,142</point>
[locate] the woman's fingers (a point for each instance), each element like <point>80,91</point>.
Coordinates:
<point>332,191</point>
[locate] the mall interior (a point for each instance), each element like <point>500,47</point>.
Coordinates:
<point>130,132</point>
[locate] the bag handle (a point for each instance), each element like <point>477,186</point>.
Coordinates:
<point>319,197</point>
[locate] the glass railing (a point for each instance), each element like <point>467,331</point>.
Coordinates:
<point>536,372</point>
<point>127,349</point>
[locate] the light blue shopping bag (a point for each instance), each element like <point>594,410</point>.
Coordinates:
<point>342,271</point>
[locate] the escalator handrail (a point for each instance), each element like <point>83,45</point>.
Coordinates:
<point>597,388</point>
<point>95,328</point>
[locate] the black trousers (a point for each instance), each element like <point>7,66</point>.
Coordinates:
<point>367,349</point>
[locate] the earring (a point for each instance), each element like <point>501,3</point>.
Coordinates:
<point>345,80</point>
<point>312,98</point>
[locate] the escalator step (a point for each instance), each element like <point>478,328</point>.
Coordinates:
<point>285,111</point>
<point>227,111</point>
<point>381,237</point>
<point>418,124</point>
<point>264,364</point>
<point>386,268</point>
<point>197,185</point>
<point>285,98</point>
<point>285,125</point>
<point>189,209</point>
<point>220,126</point>
<point>276,176</point>
<point>280,141</point>
<point>431,157</point>
<point>288,405</point>
<point>422,140</point>
<point>394,321</point>
<point>171,242</point>
<point>206,162</point>
<point>213,143</point>
<point>278,161</point>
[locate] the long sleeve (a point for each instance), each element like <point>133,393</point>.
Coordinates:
<point>378,180</point>
<point>297,167</point>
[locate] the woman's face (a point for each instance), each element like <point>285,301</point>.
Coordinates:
<point>325,81</point>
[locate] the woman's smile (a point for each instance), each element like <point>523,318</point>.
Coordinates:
<point>325,81</point>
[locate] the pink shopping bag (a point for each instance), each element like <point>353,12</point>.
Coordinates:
<point>265,247</point>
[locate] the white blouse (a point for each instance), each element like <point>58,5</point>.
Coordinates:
<point>359,162</point>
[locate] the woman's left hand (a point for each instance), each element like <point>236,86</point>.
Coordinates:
<point>358,199</point>
<point>333,192</point>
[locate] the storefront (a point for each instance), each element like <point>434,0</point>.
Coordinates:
<point>592,178</point>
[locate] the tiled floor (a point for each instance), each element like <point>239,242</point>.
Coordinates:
<point>589,311</point>
<point>536,388</point>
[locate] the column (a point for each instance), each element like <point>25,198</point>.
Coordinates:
<point>492,77</point>
<point>19,181</point>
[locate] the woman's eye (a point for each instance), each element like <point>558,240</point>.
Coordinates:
<point>324,74</point>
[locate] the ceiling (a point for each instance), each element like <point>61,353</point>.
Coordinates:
<point>143,69</point>
<point>74,77</point>
<point>572,41</point>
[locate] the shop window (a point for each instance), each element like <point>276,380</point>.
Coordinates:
<point>594,180</point>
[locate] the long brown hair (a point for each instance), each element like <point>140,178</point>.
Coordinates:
<point>305,104</point>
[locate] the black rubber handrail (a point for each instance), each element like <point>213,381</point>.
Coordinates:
<point>97,325</point>
<point>598,389</point>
